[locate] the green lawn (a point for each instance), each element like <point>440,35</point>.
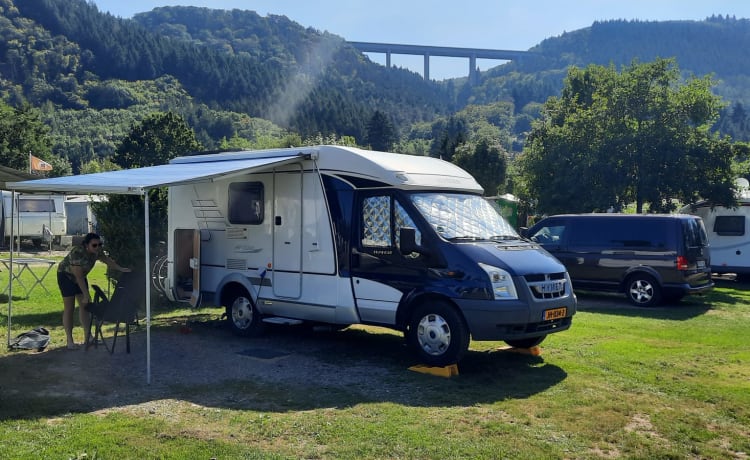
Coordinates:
<point>623,382</point>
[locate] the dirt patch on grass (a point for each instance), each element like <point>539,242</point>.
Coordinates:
<point>200,360</point>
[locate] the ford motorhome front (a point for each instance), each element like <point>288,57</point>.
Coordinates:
<point>344,236</point>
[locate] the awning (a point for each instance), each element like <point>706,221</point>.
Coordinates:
<point>137,181</point>
<point>12,175</point>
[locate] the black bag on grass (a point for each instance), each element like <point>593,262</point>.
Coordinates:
<point>35,339</point>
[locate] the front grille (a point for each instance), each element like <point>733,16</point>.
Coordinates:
<point>547,286</point>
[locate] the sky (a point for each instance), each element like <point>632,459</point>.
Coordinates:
<point>490,24</point>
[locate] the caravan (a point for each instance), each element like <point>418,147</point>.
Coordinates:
<point>37,218</point>
<point>728,232</point>
<point>340,236</point>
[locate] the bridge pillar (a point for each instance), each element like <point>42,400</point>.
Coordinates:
<point>388,60</point>
<point>473,77</point>
<point>427,66</point>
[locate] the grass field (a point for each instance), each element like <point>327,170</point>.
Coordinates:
<point>624,382</point>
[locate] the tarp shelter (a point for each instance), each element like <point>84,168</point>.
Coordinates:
<point>138,182</point>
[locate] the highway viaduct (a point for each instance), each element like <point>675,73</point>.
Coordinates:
<point>448,51</point>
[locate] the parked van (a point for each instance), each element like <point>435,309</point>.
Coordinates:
<point>345,236</point>
<point>649,257</point>
<point>38,218</point>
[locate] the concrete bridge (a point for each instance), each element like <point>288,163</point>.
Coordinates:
<point>448,51</point>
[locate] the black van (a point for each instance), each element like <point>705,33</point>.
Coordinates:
<point>649,257</point>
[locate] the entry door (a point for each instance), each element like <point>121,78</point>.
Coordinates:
<point>381,274</point>
<point>287,234</point>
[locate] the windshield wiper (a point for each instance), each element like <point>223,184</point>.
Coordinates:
<point>465,238</point>
<point>505,237</point>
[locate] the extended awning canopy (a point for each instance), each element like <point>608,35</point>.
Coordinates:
<point>137,182</point>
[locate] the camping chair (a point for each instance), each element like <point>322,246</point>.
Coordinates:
<point>122,308</point>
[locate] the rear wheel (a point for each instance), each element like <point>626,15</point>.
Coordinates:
<point>438,334</point>
<point>242,314</point>
<point>526,343</point>
<point>643,290</point>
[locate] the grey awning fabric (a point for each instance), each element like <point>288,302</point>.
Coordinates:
<point>137,181</point>
<point>12,175</point>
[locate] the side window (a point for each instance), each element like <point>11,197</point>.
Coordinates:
<point>376,221</point>
<point>35,205</point>
<point>551,234</point>
<point>403,219</point>
<point>382,217</point>
<point>246,203</point>
<point>729,225</point>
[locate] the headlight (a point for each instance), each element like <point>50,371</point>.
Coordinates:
<point>502,283</point>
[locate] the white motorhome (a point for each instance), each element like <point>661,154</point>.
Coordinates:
<point>38,218</point>
<point>342,236</point>
<point>728,232</point>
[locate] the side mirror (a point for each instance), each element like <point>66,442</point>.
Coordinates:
<point>408,241</point>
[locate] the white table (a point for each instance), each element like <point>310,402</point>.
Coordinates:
<point>27,264</point>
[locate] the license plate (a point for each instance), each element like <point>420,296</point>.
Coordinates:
<point>701,264</point>
<point>555,313</point>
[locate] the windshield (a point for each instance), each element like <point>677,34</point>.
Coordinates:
<point>456,215</point>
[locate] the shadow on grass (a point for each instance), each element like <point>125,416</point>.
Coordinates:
<point>201,362</point>
<point>616,304</point>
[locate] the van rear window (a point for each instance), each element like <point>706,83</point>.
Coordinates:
<point>729,225</point>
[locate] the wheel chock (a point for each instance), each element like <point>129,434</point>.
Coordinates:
<point>445,371</point>
<point>533,351</point>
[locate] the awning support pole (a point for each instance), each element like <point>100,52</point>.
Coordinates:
<point>10,275</point>
<point>148,287</point>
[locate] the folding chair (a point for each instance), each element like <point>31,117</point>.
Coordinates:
<point>129,294</point>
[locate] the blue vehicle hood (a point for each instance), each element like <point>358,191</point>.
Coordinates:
<point>517,258</point>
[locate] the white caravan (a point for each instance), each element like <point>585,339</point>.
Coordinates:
<point>728,233</point>
<point>342,236</point>
<point>37,218</point>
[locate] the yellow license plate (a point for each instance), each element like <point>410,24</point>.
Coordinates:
<point>555,313</point>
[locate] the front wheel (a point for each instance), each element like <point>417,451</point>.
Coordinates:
<point>242,315</point>
<point>437,334</point>
<point>526,343</point>
<point>643,290</point>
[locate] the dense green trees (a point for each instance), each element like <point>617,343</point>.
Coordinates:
<point>486,161</point>
<point>638,136</point>
<point>381,134</point>
<point>22,133</point>
<point>156,140</point>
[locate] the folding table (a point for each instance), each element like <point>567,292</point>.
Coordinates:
<point>21,265</point>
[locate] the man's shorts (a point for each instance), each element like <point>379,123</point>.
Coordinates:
<point>68,285</point>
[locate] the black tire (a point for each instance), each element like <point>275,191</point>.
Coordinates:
<point>437,334</point>
<point>526,343</point>
<point>642,290</point>
<point>242,315</point>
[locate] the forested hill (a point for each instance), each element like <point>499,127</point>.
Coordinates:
<point>236,73</point>
<point>298,78</point>
<point>717,46</point>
